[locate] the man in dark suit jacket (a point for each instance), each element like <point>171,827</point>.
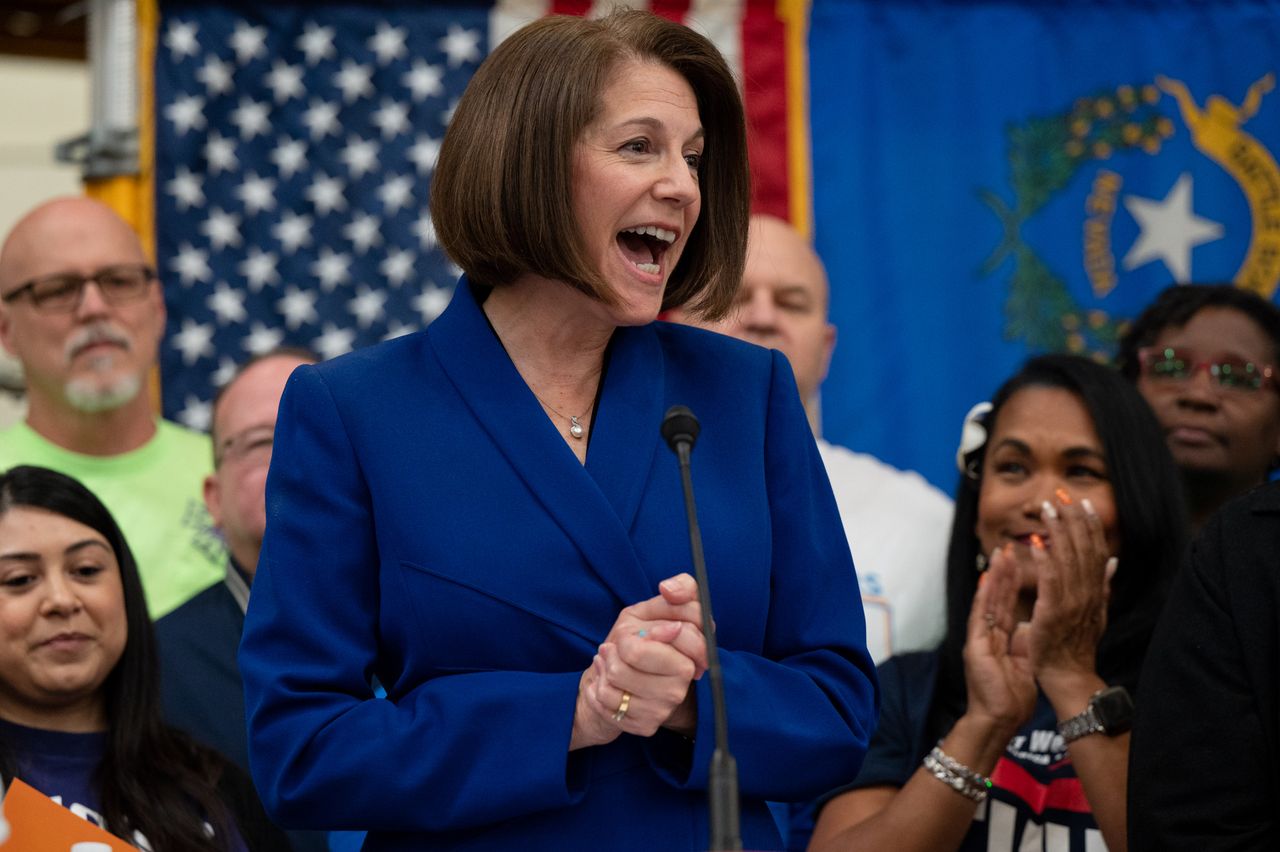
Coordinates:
<point>1206,740</point>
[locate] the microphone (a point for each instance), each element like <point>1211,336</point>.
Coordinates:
<point>680,429</point>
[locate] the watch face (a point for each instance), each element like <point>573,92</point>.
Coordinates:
<point>1114,709</point>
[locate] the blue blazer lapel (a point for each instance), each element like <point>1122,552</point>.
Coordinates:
<point>478,367</point>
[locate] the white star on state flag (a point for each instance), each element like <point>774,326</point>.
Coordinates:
<point>191,264</point>
<point>333,341</point>
<point>257,194</point>
<point>424,80</point>
<point>321,118</point>
<point>367,306</point>
<point>326,194</point>
<point>395,193</point>
<point>392,118</point>
<point>331,268</point>
<point>293,231</point>
<point>423,153</point>
<point>196,414</point>
<point>285,81</point>
<point>248,42</point>
<point>262,339</point>
<point>252,117</point>
<point>186,113</point>
<point>227,304</point>
<point>316,42</point>
<point>446,115</point>
<point>461,45</point>
<point>1169,230</point>
<point>360,156</point>
<point>185,188</point>
<point>425,230</point>
<point>431,302</point>
<point>259,268</point>
<point>387,43</point>
<point>298,307</point>
<point>290,156</point>
<point>364,231</point>
<point>397,267</point>
<point>222,228</point>
<point>221,153</point>
<point>194,341</point>
<point>181,40</point>
<point>354,81</point>
<point>215,75</point>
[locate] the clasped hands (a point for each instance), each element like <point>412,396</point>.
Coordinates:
<point>1006,660</point>
<point>651,657</point>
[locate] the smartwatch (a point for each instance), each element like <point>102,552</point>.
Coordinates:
<point>1110,712</point>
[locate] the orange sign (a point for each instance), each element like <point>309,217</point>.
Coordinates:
<point>39,824</point>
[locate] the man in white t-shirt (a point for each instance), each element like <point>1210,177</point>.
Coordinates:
<point>898,524</point>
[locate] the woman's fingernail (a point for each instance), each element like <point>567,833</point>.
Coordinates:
<point>1087,505</point>
<point>1037,542</point>
<point>1112,564</point>
<point>1063,497</point>
<point>982,578</point>
<point>1046,509</point>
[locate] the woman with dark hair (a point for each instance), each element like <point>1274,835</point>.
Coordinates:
<point>1069,528</point>
<point>484,515</point>
<point>79,682</point>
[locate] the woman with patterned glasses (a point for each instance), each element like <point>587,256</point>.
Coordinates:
<point>1205,358</point>
<point>1013,734</point>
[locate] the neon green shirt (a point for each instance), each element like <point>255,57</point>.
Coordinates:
<point>155,494</point>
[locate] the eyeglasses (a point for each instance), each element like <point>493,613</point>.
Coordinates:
<point>253,444</point>
<point>1172,364</point>
<point>62,293</point>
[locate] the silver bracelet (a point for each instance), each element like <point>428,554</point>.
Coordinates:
<point>956,775</point>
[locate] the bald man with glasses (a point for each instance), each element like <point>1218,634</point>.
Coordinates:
<point>83,312</point>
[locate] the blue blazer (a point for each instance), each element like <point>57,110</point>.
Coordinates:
<point>427,525</point>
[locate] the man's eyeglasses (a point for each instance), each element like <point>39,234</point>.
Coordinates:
<point>62,293</point>
<point>253,444</point>
<point>1171,364</point>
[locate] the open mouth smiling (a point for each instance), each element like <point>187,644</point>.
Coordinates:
<point>645,245</point>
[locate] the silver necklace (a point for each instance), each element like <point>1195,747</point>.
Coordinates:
<point>575,422</point>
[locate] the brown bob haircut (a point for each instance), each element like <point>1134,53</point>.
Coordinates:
<point>501,197</point>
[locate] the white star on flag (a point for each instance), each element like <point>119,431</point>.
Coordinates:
<point>293,231</point>
<point>364,231</point>
<point>431,302</point>
<point>396,328</point>
<point>248,42</point>
<point>367,306</point>
<point>1169,230</point>
<point>424,153</point>
<point>252,117</point>
<point>326,194</point>
<point>194,341</point>
<point>461,45</point>
<point>285,81</point>
<point>392,118</point>
<point>196,414</point>
<point>257,194</point>
<point>316,43</point>
<point>388,43</point>
<point>397,267</point>
<point>222,229</point>
<point>216,76</point>
<point>181,40</point>
<point>227,304</point>
<point>354,81</point>
<point>298,307</point>
<point>290,156</point>
<point>221,154</point>
<point>259,268</point>
<point>360,156</point>
<point>425,230</point>
<point>321,119</point>
<point>334,341</point>
<point>185,189</point>
<point>395,193</point>
<point>186,113</point>
<point>261,339</point>
<point>331,268</point>
<point>424,80</point>
<point>191,264</point>
<point>226,372</point>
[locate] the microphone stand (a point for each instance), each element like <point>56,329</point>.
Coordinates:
<point>680,429</point>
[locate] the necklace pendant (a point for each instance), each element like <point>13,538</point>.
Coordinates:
<point>575,428</point>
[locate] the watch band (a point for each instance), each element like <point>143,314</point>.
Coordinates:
<point>1080,725</point>
<point>1110,712</point>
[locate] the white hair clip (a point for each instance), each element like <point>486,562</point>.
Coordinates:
<point>972,436</point>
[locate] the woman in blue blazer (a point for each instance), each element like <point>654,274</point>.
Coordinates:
<point>483,516</point>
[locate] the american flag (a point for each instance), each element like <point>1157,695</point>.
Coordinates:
<point>295,144</point>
